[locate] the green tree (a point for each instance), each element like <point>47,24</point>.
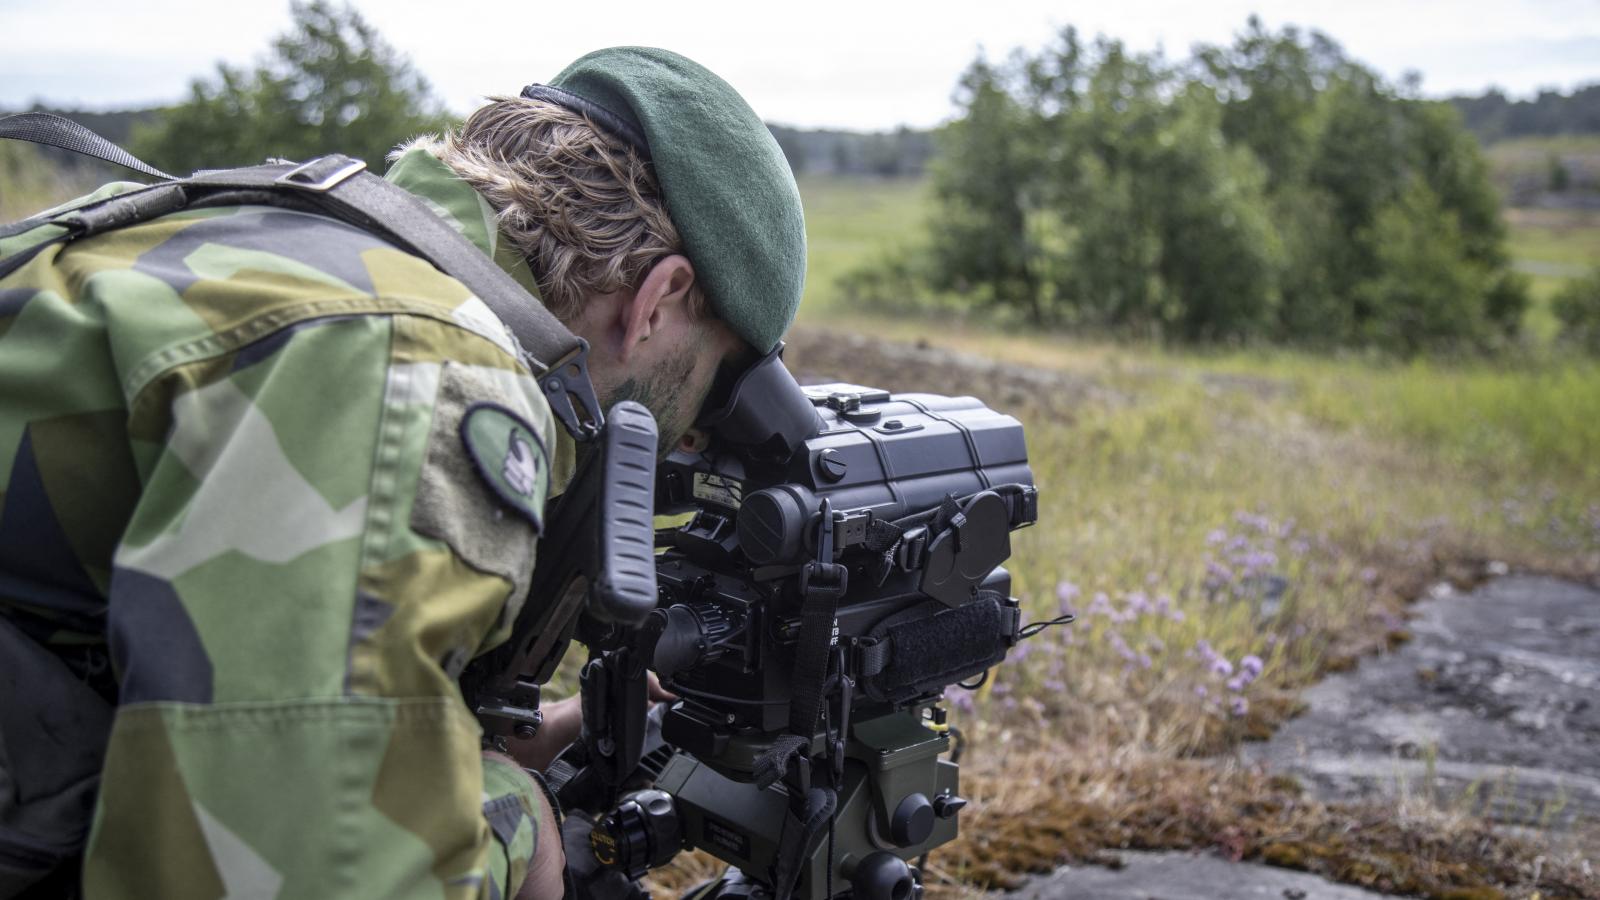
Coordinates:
<point>983,180</point>
<point>1578,307</point>
<point>1268,85</point>
<point>331,84</point>
<point>1425,293</point>
<point>1558,178</point>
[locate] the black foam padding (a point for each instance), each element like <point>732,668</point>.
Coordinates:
<point>624,588</point>
<point>929,649</point>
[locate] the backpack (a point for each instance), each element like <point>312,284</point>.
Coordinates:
<point>53,725</point>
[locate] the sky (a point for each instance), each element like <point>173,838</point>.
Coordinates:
<point>817,63</point>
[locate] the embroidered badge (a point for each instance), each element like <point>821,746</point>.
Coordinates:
<point>510,457</point>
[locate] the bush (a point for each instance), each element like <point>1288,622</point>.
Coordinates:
<point>1578,308</point>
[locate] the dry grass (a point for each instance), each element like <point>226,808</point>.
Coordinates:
<point>1198,509</point>
<point>1036,809</point>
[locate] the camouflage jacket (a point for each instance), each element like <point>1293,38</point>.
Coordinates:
<point>233,449</point>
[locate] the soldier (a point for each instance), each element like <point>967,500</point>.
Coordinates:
<point>269,483</point>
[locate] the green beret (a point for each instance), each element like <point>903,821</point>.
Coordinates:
<point>726,183</point>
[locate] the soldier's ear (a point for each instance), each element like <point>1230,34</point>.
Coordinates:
<point>662,298</point>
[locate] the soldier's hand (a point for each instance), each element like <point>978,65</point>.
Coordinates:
<point>655,691</point>
<point>563,722</point>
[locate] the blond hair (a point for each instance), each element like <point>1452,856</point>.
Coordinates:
<point>582,207</point>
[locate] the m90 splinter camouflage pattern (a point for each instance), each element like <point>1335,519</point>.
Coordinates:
<point>231,456</point>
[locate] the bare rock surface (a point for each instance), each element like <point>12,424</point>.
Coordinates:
<point>1494,700</point>
<point>1185,876</point>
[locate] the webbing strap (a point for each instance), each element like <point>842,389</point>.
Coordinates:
<point>822,583</point>
<point>65,134</point>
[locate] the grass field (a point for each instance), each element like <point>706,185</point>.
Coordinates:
<point>851,222</point>
<point>29,185</point>
<point>1528,158</point>
<point>1208,514</point>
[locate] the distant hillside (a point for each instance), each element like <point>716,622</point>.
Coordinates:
<point>114,125</point>
<point>903,152</point>
<point>1494,116</point>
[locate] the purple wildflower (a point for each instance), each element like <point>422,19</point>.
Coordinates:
<point>960,698</point>
<point>1251,664</point>
<point>1121,646</point>
<point>1250,520</point>
<point>1255,561</point>
<point>1217,574</point>
<point>1066,591</point>
<point>1237,682</point>
<point>1216,536</point>
<point>1239,706</point>
<point>1221,667</point>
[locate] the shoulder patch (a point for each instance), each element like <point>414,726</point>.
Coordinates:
<point>510,457</point>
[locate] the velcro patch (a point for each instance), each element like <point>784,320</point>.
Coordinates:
<point>509,455</point>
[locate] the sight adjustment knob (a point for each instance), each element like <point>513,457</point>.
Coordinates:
<point>883,876</point>
<point>912,821</point>
<point>772,526</point>
<point>830,465</point>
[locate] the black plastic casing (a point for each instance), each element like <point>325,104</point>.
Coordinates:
<point>893,456</point>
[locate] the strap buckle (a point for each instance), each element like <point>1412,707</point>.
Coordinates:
<point>321,174</point>
<point>568,379</point>
<point>823,576</point>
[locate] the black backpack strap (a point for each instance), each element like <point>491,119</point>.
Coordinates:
<point>337,186</point>
<point>65,134</point>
